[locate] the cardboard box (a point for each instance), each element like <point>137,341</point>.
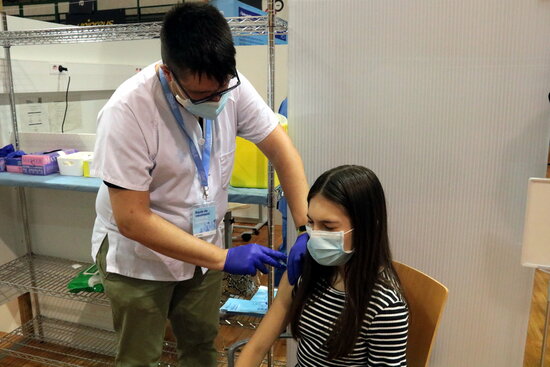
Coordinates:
<point>44,163</point>
<point>13,164</point>
<point>73,164</point>
<point>250,169</point>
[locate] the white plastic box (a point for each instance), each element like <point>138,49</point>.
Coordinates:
<point>72,164</point>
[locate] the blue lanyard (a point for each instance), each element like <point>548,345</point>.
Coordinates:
<point>203,165</point>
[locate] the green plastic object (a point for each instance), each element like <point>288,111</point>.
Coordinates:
<point>87,280</point>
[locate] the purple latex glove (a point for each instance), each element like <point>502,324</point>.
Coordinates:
<point>296,258</point>
<point>247,259</point>
<point>6,150</point>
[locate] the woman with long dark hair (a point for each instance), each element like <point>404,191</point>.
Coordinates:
<point>348,308</point>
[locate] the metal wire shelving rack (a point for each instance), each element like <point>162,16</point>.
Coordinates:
<point>47,275</point>
<point>240,26</point>
<point>52,342</point>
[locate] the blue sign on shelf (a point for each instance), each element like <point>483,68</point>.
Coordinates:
<point>235,8</point>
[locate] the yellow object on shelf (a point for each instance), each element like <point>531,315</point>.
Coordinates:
<point>86,166</point>
<point>250,169</point>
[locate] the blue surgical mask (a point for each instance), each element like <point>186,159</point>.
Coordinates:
<point>327,248</point>
<point>208,110</point>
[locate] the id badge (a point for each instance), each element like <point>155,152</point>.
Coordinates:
<point>204,219</point>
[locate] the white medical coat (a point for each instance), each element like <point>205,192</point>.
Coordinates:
<point>139,146</point>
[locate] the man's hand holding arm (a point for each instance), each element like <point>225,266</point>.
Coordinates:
<point>136,221</point>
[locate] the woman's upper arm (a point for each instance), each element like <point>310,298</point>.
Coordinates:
<point>271,326</point>
<point>390,330</point>
<point>277,316</point>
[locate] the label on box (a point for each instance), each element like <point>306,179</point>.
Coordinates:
<point>13,161</point>
<point>41,170</point>
<point>14,169</point>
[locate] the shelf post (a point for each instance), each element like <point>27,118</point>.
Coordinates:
<point>8,83</point>
<point>25,304</point>
<point>270,171</point>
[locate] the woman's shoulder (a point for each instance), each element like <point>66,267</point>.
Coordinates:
<point>387,290</point>
<point>387,304</point>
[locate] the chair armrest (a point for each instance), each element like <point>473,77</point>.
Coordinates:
<point>233,348</point>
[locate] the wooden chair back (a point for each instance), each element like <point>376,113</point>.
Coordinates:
<point>426,298</point>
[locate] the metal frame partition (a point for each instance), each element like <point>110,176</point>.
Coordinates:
<point>30,310</point>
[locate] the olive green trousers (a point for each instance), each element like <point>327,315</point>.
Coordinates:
<point>141,307</point>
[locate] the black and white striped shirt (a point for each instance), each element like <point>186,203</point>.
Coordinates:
<point>383,337</point>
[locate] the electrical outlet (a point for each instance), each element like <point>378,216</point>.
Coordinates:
<point>56,69</point>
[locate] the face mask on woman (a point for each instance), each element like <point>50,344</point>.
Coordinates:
<point>327,248</point>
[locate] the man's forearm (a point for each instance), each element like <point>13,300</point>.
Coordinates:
<point>159,235</point>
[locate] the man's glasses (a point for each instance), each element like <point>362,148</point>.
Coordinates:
<point>213,95</point>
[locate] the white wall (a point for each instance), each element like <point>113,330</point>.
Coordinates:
<point>96,69</point>
<point>447,102</point>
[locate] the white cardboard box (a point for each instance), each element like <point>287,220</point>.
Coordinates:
<point>72,164</point>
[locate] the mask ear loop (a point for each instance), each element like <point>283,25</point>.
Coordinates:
<point>174,87</point>
<point>181,100</point>
<point>352,250</point>
<point>178,92</point>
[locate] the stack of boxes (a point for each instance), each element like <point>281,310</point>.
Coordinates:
<point>44,163</point>
<point>68,162</point>
<point>14,163</point>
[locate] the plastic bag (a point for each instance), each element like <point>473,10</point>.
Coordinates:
<point>87,280</point>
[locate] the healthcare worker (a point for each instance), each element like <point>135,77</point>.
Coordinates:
<point>165,148</point>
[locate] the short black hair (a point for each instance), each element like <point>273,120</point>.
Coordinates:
<point>195,38</point>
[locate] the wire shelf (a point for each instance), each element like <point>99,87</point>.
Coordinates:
<point>52,342</point>
<point>47,275</point>
<point>50,276</point>
<point>255,26</point>
<point>248,322</point>
<point>240,26</point>
<point>242,287</point>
